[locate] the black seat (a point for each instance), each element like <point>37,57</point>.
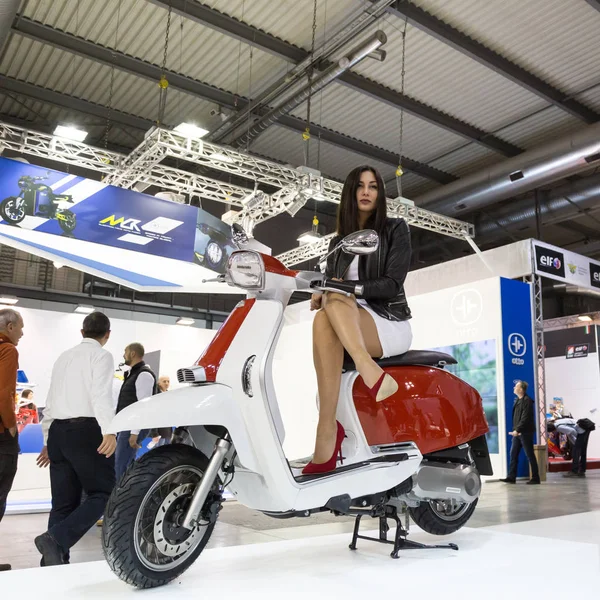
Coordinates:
<point>412,357</point>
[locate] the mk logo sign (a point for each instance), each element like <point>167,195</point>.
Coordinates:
<point>121,223</point>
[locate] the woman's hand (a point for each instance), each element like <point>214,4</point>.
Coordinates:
<point>316,301</point>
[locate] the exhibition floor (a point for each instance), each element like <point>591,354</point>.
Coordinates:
<point>507,542</point>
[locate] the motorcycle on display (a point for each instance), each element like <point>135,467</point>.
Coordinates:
<point>419,452</point>
<point>38,200</point>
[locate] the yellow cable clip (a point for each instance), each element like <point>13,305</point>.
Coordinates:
<point>399,171</point>
<point>306,135</point>
<point>163,83</point>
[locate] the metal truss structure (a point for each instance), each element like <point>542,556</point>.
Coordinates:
<point>571,322</point>
<point>540,353</point>
<point>144,165</point>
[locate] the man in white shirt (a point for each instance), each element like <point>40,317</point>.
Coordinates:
<point>139,383</point>
<point>78,446</point>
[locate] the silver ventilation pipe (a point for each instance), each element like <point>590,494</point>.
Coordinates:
<point>563,288</point>
<point>325,78</point>
<point>8,12</point>
<point>563,203</point>
<point>542,165</point>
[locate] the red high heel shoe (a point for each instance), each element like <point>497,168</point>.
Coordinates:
<point>390,387</point>
<point>314,469</point>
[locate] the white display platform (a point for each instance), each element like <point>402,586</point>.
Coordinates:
<point>489,563</point>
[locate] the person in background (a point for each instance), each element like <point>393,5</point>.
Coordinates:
<point>11,331</point>
<point>578,433</point>
<point>139,383</point>
<point>162,435</point>
<point>523,434</point>
<point>78,445</point>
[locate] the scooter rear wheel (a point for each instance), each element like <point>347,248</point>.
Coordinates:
<point>143,539</point>
<point>440,519</point>
<point>9,212</point>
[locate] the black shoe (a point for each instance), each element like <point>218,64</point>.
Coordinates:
<point>508,480</point>
<point>52,553</point>
<point>580,474</point>
<point>5,567</point>
<point>570,474</point>
<point>533,482</point>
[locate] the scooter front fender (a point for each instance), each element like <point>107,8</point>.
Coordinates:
<point>185,407</point>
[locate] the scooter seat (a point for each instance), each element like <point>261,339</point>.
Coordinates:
<point>412,357</point>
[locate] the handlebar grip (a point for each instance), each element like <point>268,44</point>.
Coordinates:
<point>342,286</point>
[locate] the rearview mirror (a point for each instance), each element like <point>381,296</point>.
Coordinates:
<point>365,241</point>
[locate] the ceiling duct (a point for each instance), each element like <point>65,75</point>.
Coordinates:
<point>325,78</point>
<point>563,288</point>
<point>563,203</point>
<point>532,169</point>
<point>8,12</point>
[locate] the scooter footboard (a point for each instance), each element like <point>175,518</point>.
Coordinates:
<point>188,407</point>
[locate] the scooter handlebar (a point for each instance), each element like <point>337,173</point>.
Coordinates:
<point>330,285</point>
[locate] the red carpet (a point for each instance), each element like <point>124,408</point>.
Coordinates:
<point>558,465</point>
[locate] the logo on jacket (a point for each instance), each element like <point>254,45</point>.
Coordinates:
<point>517,346</point>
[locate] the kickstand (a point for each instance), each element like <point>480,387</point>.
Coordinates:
<point>400,540</point>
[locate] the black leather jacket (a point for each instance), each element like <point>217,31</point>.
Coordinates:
<point>524,415</point>
<point>382,273</point>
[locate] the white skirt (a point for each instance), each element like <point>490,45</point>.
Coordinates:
<point>395,336</point>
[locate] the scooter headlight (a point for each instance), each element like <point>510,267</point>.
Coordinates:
<point>246,270</point>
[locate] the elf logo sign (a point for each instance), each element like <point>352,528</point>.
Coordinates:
<point>550,261</point>
<point>595,275</point>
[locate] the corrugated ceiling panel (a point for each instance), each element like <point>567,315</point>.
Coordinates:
<point>447,80</point>
<point>557,40</point>
<point>370,120</point>
<point>591,98</point>
<point>468,159</point>
<point>46,66</point>
<point>139,30</point>
<point>292,21</point>
<point>412,186</point>
<point>544,126</point>
<point>334,162</point>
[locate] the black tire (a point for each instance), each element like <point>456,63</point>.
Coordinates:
<point>6,213</point>
<point>68,223</point>
<point>133,500</point>
<point>429,519</point>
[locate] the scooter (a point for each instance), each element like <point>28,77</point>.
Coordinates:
<point>39,200</point>
<point>420,452</point>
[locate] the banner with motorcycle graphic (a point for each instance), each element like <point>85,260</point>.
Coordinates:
<point>109,231</point>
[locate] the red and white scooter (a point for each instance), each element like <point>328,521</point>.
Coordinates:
<point>421,451</point>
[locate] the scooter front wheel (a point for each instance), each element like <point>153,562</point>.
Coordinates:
<point>143,539</point>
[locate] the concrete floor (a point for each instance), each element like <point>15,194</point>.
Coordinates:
<point>499,505</point>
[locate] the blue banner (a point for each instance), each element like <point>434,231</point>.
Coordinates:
<point>519,352</point>
<point>49,201</point>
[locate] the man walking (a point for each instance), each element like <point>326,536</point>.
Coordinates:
<point>11,331</point>
<point>79,447</point>
<point>139,383</point>
<point>523,434</point>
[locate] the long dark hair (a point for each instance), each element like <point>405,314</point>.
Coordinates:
<point>347,215</point>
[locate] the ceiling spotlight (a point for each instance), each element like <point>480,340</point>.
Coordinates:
<point>298,200</point>
<point>71,133</point>
<point>585,318</point>
<point>189,130</point>
<point>254,199</point>
<point>185,321</point>
<point>221,157</point>
<point>309,237</point>
<point>85,309</point>
<point>10,300</point>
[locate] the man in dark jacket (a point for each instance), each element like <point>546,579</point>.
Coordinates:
<point>523,434</point>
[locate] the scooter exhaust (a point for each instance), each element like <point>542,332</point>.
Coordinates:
<point>446,481</point>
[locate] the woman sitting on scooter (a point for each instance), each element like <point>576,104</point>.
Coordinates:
<point>374,325</point>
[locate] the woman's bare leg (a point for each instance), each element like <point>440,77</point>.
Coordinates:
<point>346,320</point>
<point>328,353</point>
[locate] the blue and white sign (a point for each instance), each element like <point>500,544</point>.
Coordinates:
<point>518,350</point>
<point>131,238</point>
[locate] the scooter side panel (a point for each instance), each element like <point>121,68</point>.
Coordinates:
<point>432,408</point>
<point>194,405</point>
